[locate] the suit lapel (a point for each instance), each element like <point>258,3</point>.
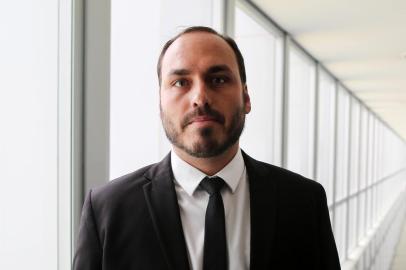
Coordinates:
<point>263,214</point>
<point>164,210</point>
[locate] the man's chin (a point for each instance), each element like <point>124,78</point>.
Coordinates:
<point>203,153</point>
<point>202,131</point>
<point>204,148</point>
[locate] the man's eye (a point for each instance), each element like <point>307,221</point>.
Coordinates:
<point>218,80</point>
<point>180,83</point>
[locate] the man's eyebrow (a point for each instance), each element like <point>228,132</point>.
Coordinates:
<point>218,68</point>
<point>211,70</point>
<point>179,72</point>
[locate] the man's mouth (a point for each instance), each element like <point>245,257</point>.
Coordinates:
<point>203,119</point>
<point>203,116</point>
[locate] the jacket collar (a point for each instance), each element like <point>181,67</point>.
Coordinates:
<point>164,210</point>
<point>263,205</point>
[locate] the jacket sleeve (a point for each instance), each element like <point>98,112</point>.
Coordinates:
<point>88,254</point>
<point>328,249</point>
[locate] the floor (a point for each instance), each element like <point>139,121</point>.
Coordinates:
<point>399,261</point>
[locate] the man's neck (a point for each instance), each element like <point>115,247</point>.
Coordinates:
<point>209,166</point>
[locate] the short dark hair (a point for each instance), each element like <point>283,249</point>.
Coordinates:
<point>230,42</point>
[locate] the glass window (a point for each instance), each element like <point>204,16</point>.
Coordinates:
<point>368,224</point>
<point>262,51</point>
<point>355,145</point>
<point>371,150</point>
<point>35,135</point>
<point>370,175</point>
<point>340,229</point>
<point>374,204</point>
<point>378,152</point>
<point>326,131</point>
<point>352,237</point>
<point>361,216</point>
<point>343,122</point>
<point>363,148</point>
<point>300,113</point>
<point>378,156</point>
<point>386,153</point>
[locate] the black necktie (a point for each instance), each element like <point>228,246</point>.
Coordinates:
<point>215,245</point>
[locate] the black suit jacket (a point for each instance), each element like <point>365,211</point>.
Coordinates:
<point>133,222</point>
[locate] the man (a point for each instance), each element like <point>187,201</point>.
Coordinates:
<point>207,205</point>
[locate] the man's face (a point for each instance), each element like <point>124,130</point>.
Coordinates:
<point>202,100</point>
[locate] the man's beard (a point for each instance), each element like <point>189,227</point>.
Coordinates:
<point>208,145</point>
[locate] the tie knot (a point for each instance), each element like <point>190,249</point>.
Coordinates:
<point>212,185</point>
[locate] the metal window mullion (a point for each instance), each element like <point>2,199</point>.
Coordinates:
<point>359,174</point>
<point>371,166</point>
<point>229,17</point>
<point>378,169</point>
<point>316,121</point>
<point>278,102</point>
<point>373,175</point>
<point>313,117</point>
<point>367,173</point>
<point>335,154</point>
<point>91,99</point>
<point>77,116</point>
<point>96,92</point>
<point>285,100</point>
<point>349,167</point>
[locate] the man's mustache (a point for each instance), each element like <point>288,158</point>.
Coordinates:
<point>202,111</point>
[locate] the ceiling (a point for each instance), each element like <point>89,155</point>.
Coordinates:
<point>361,42</point>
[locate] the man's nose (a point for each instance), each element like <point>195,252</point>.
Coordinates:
<point>200,94</point>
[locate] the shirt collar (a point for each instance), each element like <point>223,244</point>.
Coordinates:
<point>189,177</point>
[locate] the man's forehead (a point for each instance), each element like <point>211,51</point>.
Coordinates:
<point>196,38</point>
<point>191,47</point>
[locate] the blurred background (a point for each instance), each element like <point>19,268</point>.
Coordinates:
<point>79,106</point>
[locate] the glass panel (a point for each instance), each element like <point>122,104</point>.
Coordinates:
<point>301,97</point>
<point>325,136</point>
<point>355,146</point>
<point>363,147</point>
<point>340,229</point>
<point>343,113</point>
<point>262,53</point>
<point>371,169</point>
<point>31,78</point>
<point>331,216</point>
<point>371,153</point>
<point>361,216</point>
<point>65,141</point>
<point>377,150</point>
<point>368,209</point>
<point>352,225</point>
<point>375,206</point>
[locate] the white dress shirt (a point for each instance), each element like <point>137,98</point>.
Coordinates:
<point>193,200</point>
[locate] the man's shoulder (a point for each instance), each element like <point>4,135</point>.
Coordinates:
<point>134,181</point>
<point>289,189</point>
<point>131,182</point>
<point>281,177</point>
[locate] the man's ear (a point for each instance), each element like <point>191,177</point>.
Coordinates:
<point>246,99</point>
